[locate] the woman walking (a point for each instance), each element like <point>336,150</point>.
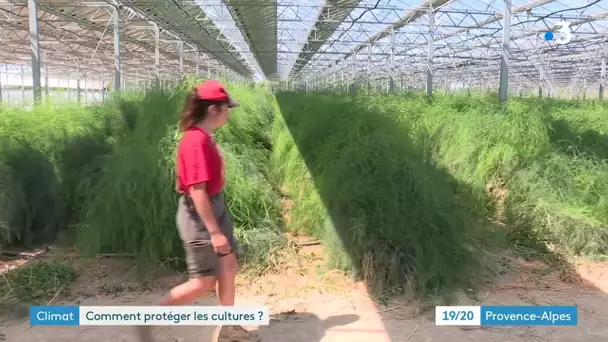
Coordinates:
<point>204,226</point>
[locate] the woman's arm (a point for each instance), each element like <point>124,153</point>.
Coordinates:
<point>202,203</point>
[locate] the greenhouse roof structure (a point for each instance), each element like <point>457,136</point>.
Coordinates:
<point>549,44</point>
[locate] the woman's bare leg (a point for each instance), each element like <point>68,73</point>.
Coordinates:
<point>226,291</point>
<point>190,291</point>
<point>226,279</point>
<point>186,293</point>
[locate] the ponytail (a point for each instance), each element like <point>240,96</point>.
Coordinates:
<point>195,110</point>
<point>191,114</point>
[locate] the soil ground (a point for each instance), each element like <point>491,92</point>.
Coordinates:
<point>311,304</point>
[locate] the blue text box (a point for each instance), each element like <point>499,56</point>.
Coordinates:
<point>54,315</point>
<point>529,315</point>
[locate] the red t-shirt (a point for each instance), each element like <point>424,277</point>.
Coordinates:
<point>198,161</point>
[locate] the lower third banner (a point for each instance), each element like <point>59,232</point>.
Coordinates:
<point>506,315</point>
<point>148,315</point>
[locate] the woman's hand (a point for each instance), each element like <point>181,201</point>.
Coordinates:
<point>220,243</point>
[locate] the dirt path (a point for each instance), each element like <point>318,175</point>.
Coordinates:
<point>314,306</point>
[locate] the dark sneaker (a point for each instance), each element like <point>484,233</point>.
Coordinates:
<point>144,333</point>
<point>232,333</point>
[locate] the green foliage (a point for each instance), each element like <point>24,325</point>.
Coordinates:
<point>37,281</point>
<point>44,154</point>
<point>399,187</point>
<point>400,182</point>
<point>372,193</point>
<point>108,171</point>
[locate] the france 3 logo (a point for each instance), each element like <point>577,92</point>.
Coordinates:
<point>562,36</point>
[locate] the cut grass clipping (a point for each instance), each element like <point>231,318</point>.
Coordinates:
<point>37,282</point>
<point>402,190</point>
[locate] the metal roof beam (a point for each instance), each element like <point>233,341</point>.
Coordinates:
<point>198,31</point>
<point>108,57</point>
<point>59,12</point>
<point>408,18</point>
<point>85,40</point>
<point>328,21</point>
<point>76,49</point>
<point>496,40</point>
<point>258,24</point>
<point>493,19</point>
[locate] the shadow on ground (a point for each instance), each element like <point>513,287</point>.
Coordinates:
<point>568,140</point>
<point>33,209</point>
<point>398,217</point>
<point>80,161</point>
<point>288,327</point>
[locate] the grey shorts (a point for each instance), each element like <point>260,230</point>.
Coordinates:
<point>201,258</point>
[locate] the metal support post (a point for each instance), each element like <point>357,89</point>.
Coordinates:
<point>603,71</point>
<point>542,75</point>
<point>503,89</point>
<point>8,95</point>
<point>46,75</point>
<point>369,68</point>
<point>22,85</point>
<point>584,89</point>
<point>391,85</point>
<point>117,71</point>
<point>198,62</point>
<point>102,83</point>
<point>353,75</point>
<point>181,59</point>
<point>35,47</point>
<point>157,53</point>
<point>78,90</point>
<point>431,52</point>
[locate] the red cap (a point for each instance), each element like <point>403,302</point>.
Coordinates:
<point>213,90</point>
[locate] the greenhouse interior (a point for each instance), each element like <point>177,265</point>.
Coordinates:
<point>514,47</point>
<point>387,158</point>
